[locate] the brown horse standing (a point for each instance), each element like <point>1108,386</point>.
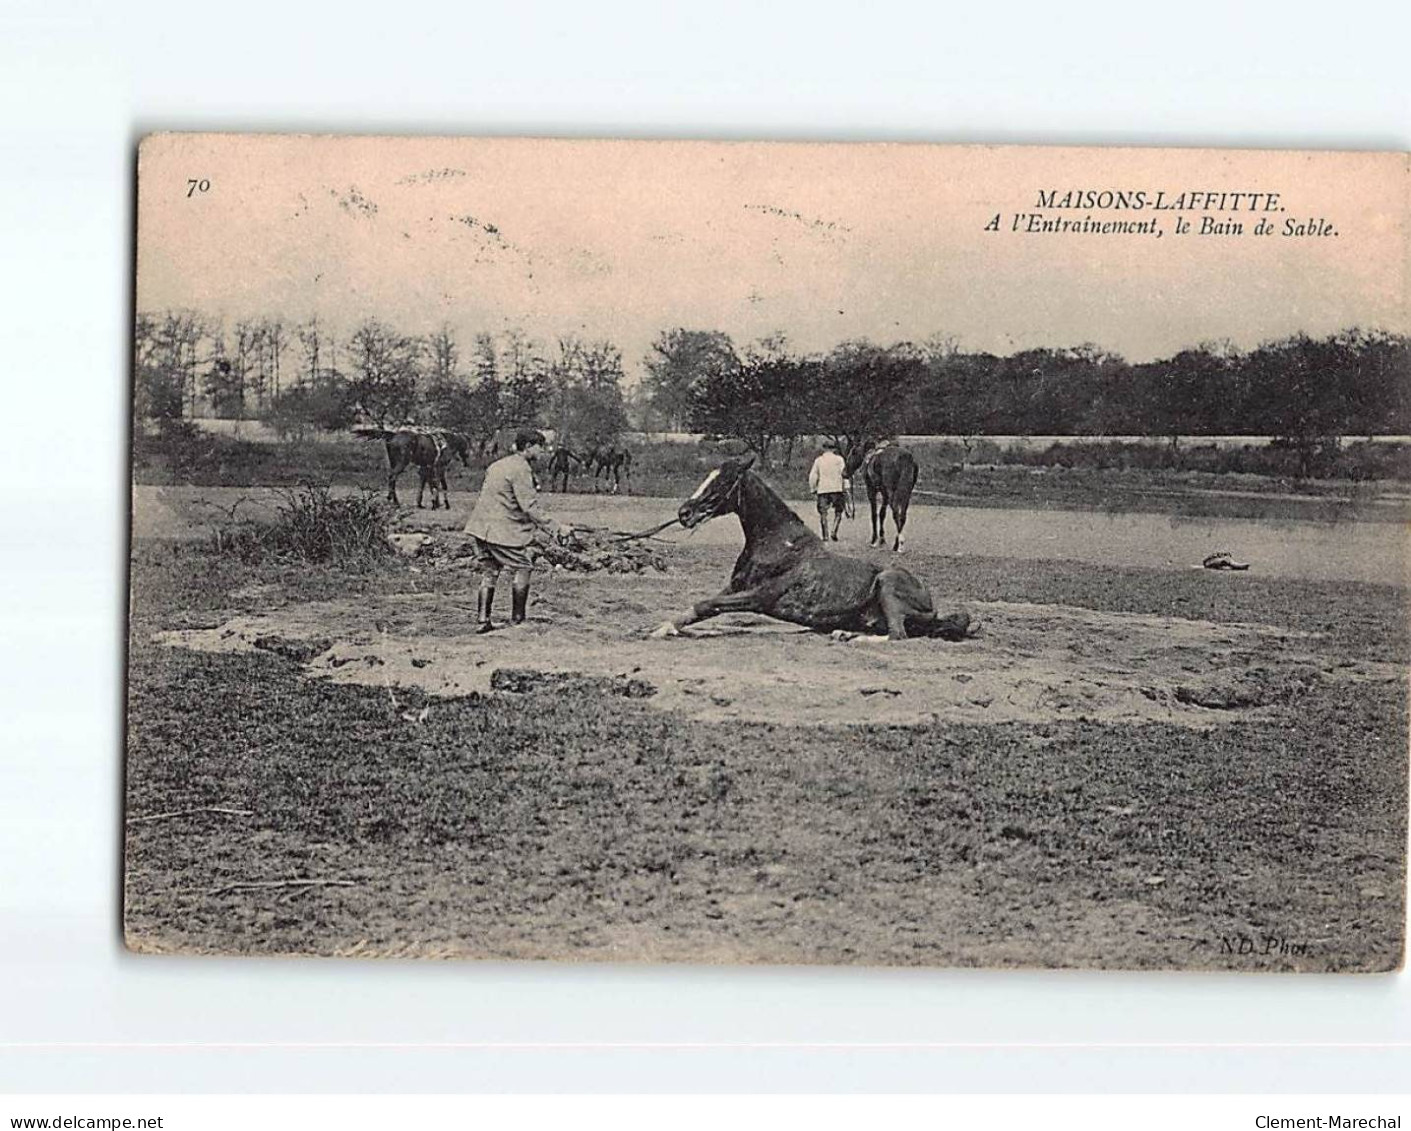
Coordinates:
<point>429,450</point>
<point>786,572</point>
<point>889,473</point>
<point>561,463</point>
<point>610,462</point>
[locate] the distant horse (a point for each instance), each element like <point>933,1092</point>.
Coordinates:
<point>429,450</point>
<point>889,473</point>
<point>786,572</point>
<point>561,463</point>
<point>610,462</point>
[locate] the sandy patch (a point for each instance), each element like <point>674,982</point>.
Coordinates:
<point>1030,663</point>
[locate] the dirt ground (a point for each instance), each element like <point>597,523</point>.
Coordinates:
<point>1029,663</point>
<point>1100,701</point>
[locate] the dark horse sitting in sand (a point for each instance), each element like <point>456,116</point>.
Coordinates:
<point>889,473</point>
<point>430,450</point>
<point>786,572</point>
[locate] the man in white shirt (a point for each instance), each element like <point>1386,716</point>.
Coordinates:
<point>827,482</point>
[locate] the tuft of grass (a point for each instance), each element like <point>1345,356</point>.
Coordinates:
<point>312,525</point>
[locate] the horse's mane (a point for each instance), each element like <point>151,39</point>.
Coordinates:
<point>777,509</point>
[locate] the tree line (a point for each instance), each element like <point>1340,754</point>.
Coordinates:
<point>1307,391</point>
<point>303,377</point>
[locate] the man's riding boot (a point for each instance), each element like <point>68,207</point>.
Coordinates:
<point>483,602</point>
<point>520,599</point>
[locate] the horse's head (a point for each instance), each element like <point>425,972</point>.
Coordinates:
<point>855,455</point>
<point>718,494</point>
<point>459,443</point>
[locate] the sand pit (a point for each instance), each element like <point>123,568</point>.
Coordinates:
<point>1029,663</point>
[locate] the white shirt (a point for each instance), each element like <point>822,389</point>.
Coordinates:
<point>826,475</point>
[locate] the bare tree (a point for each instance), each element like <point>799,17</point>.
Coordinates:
<point>276,340</point>
<point>311,339</point>
<point>487,365</point>
<point>443,356</point>
<point>173,352</point>
<point>247,338</point>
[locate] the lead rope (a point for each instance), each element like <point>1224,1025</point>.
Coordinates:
<point>624,536</point>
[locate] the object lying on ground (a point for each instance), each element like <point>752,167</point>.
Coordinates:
<point>582,549</point>
<point>590,550</point>
<point>1222,559</point>
<point>410,544</point>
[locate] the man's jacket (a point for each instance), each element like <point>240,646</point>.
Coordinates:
<point>507,511</point>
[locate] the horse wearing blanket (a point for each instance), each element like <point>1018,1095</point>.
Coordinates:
<point>429,450</point>
<point>786,572</point>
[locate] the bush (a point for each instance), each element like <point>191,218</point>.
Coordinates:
<point>313,526</point>
<point>1323,459</point>
<point>175,444</point>
<point>325,405</point>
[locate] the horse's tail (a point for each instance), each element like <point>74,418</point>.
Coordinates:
<point>906,476</point>
<point>386,436</point>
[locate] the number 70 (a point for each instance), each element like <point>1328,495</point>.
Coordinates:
<point>193,186</point>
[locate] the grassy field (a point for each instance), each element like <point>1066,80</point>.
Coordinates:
<point>1063,790</point>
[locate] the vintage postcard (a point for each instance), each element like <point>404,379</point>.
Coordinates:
<point>769,553</point>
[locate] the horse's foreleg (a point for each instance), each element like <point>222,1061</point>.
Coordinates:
<point>745,601</point>
<point>894,610</point>
<point>900,595</point>
<point>392,489</point>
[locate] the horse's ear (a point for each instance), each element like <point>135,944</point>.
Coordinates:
<point>747,462</point>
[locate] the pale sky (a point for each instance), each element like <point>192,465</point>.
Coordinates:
<point>621,240</point>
